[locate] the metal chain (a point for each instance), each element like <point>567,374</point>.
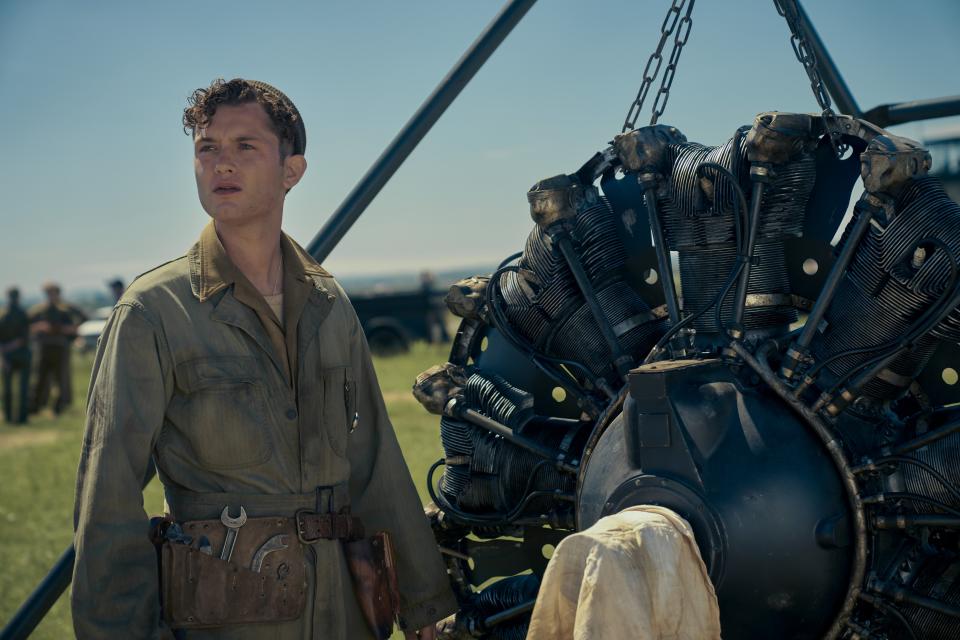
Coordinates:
<point>670,22</point>
<point>788,9</point>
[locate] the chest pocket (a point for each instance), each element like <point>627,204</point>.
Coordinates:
<point>224,411</point>
<point>339,406</point>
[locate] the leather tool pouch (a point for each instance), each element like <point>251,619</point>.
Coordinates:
<point>372,567</point>
<point>201,590</point>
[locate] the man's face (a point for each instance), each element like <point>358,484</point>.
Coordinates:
<point>240,177</point>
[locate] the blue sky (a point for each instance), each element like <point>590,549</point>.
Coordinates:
<point>97,178</point>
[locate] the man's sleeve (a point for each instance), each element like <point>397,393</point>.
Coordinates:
<point>385,499</point>
<point>115,587</point>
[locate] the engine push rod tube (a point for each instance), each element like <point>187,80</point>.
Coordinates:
<point>924,439</point>
<point>416,128</point>
<point>834,448</point>
<point>799,349</point>
<point>760,174</point>
<point>509,614</point>
<point>649,181</point>
<point>903,595</point>
<point>621,361</point>
<point>474,417</point>
<point>910,520</point>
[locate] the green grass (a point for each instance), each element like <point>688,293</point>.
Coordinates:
<point>38,465</point>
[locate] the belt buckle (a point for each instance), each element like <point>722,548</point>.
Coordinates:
<point>298,521</point>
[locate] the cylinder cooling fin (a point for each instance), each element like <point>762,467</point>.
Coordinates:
<point>678,329</point>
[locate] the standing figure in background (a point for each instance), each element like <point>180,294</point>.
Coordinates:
<point>54,325</point>
<point>436,309</point>
<point>15,357</point>
<point>117,289</point>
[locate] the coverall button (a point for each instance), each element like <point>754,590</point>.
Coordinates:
<point>291,414</point>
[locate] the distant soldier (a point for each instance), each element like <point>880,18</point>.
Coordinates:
<point>54,325</point>
<point>117,289</point>
<point>15,352</point>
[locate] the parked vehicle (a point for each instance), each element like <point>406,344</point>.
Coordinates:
<point>392,320</point>
<point>88,333</point>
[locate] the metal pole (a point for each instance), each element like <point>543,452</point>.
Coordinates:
<point>828,70</point>
<point>31,612</point>
<point>46,594</point>
<point>419,124</point>
<point>890,114</point>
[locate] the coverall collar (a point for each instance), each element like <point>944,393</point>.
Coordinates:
<point>212,271</point>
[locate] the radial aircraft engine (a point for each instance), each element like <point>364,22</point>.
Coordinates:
<point>708,328</point>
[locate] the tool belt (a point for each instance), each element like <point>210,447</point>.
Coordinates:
<point>199,589</point>
<point>312,526</point>
<point>264,579</point>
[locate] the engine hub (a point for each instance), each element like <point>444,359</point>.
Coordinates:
<point>765,502</point>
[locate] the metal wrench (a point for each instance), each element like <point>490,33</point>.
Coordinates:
<point>232,524</point>
<point>276,543</point>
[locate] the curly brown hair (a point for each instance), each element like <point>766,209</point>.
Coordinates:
<point>284,117</point>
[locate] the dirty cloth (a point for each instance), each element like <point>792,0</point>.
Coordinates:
<point>196,372</point>
<point>636,574</point>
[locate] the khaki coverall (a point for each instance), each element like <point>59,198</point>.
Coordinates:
<point>194,370</point>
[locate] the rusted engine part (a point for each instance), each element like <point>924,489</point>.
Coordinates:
<point>434,387</point>
<point>643,156</point>
<point>505,468</point>
<point>719,243</point>
<point>902,249</point>
<point>566,296</point>
<point>859,434</point>
<point>888,307</point>
<point>503,464</point>
<point>554,203</point>
<point>467,298</point>
<point>775,143</point>
<point>499,612</point>
<point>887,165</point>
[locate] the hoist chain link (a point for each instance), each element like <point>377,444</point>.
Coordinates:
<point>683,34</point>
<point>671,21</point>
<point>789,10</point>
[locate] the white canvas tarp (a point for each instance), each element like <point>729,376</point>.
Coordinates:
<point>636,574</point>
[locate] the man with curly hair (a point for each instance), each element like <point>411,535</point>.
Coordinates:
<point>242,372</point>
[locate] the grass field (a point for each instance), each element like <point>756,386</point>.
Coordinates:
<point>38,465</point>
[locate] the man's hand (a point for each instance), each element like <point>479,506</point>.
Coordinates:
<point>429,632</point>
